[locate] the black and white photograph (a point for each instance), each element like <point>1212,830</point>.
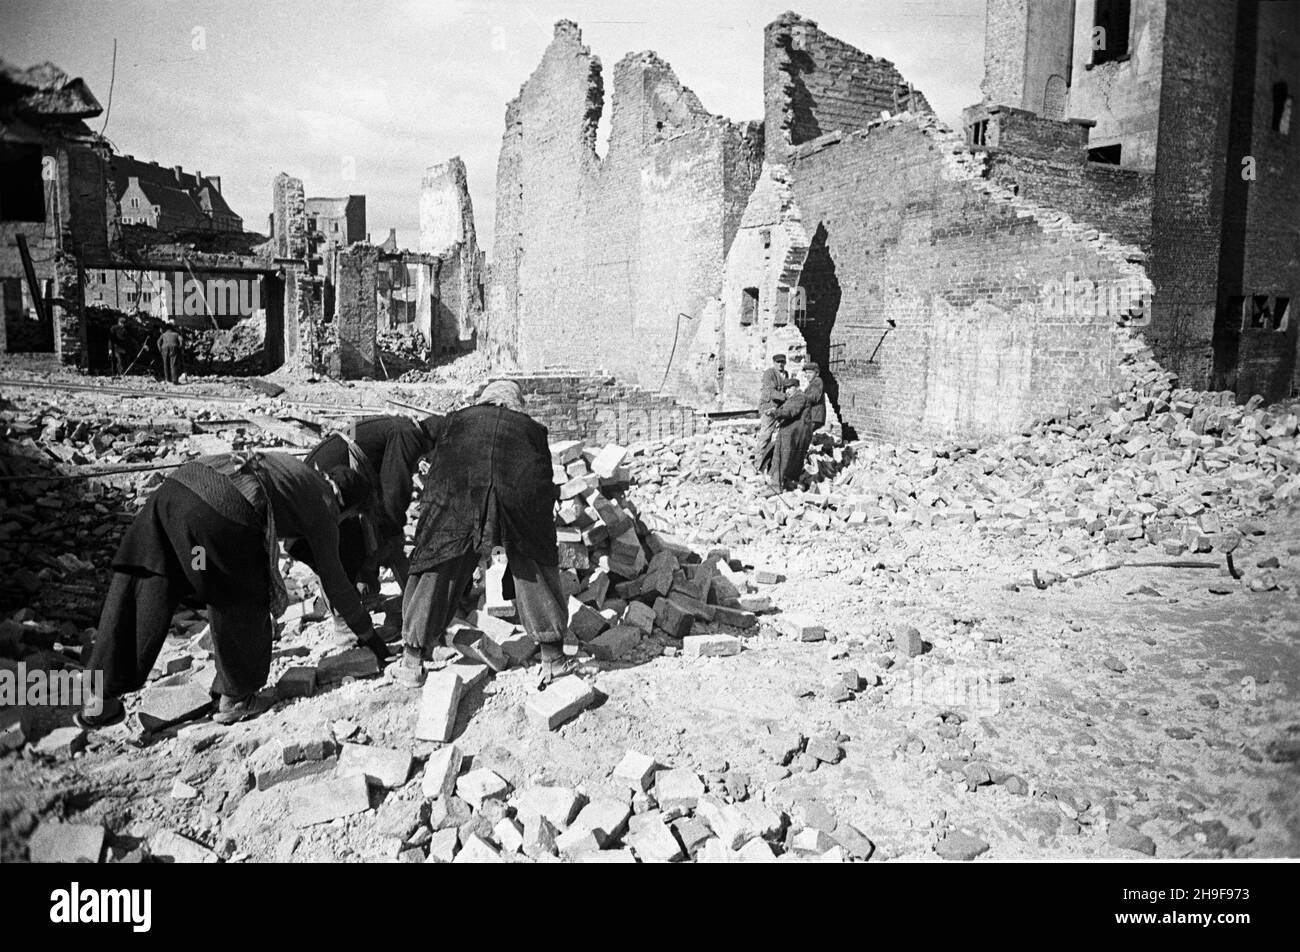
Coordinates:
<point>518,432</point>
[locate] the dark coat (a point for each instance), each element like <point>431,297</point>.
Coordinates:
<point>393,445</point>
<point>816,395</point>
<point>489,483</point>
<point>790,447</point>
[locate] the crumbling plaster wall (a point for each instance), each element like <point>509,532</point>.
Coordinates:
<point>597,259</point>
<point>1123,96</point>
<point>351,348</point>
<point>450,293</point>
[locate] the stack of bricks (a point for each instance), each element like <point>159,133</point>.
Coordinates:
<point>600,409</point>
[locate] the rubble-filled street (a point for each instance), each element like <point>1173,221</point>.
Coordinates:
<point>1079,642</point>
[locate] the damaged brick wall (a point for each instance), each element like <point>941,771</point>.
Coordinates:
<point>1046,161</point>
<point>597,258</point>
<point>600,409</point>
<point>815,84</point>
<point>350,347</point>
<point>450,294</point>
<point>289,216</point>
<point>913,233</point>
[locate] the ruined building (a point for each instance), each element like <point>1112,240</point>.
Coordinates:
<point>337,284</point>
<point>450,289</point>
<point>55,201</point>
<point>850,223</point>
<point>1168,125</point>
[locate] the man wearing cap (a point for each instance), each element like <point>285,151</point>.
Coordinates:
<point>210,532</point>
<point>771,394</point>
<point>489,483</point>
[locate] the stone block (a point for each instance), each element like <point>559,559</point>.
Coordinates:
<point>326,800</point>
<point>710,646</point>
<point>54,842</point>
<point>614,643</point>
<point>438,703</point>
<point>382,766</point>
<point>482,784</point>
<point>441,771</point>
<point>560,701</point>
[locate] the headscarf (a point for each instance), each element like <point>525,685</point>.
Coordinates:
<point>503,393</point>
<point>354,487</point>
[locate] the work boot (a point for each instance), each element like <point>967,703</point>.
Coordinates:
<point>555,664</point>
<point>110,712</point>
<point>409,671</point>
<point>232,710</point>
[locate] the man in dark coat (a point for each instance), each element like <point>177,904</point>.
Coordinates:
<point>387,449</point>
<point>210,531</point>
<point>489,483</point>
<point>169,353</point>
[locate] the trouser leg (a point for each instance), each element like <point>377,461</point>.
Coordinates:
<point>767,429</point>
<point>429,601</point>
<point>133,625</point>
<point>241,644</point>
<point>540,602</point>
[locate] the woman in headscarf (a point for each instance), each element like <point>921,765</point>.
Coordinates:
<point>489,483</point>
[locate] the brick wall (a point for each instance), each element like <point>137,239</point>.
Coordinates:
<point>815,84</point>
<point>1188,208</point>
<point>915,234</point>
<point>1024,133</point>
<point>1116,200</point>
<point>597,258</point>
<point>1005,26</point>
<point>599,409</point>
<point>1263,219</point>
<point>289,216</point>
<point>351,348</point>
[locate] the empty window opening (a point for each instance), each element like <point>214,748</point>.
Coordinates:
<point>1281,108</point>
<point>1260,314</point>
<point>1281,314</point>
<point>979,132</point>
<point>22,187</point>
<point>766,235</point>
<point>1105,155</point>
<point>1110,30</point>
<point>749,306</point>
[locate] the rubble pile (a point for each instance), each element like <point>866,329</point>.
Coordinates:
<point>1180,469</point>
<point>662,814</point>
<point>401,353</point>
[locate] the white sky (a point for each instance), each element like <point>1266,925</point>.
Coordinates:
<point>387,87</point>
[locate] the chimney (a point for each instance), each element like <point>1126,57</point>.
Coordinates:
<point>180,174</point>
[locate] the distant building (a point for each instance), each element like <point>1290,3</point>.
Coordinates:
<point>170,199</point>
<point>336,222</point>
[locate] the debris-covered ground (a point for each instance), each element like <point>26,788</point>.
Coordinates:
<point>1076,642</point>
